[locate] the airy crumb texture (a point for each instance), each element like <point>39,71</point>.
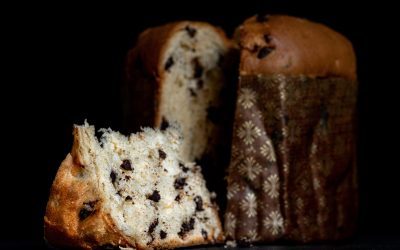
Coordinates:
<point>193,85</point>
<point>129,192</point>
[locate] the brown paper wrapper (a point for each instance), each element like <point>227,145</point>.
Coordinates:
<point>293,165</point>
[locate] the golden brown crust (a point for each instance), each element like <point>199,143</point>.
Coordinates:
<point>298,47</point>
<point>63,226</point>
<point>150,51</point>
<point>153,42</point>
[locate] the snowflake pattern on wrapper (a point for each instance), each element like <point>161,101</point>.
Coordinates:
<point>271,186</point>
<point>246,98</point>
<point>277,161</point>
<point>249,205</point>
<point>250,168</point>
<point>274,223</point>
<point>233,190</point>
<point>230,223</point>
<point>267,151</point>
<point>248,132</point>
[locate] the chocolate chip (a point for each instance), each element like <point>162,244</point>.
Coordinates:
<point>113,176</point>
<point>164,124</point>
<point>199,203</point>
<point>184,169</point>
<point>128,198</point>
<point>198,68</point>
<point>163,234</point>
<point>267,38</point>
<point>87,209</point>
<point>200,84</point>
<point>153,226</point>
<point>262,17</point>
<point>155,196</point>
<point>127,177</point>
<point>126,165</point>
<point>84,213</point>
<point>204,234</point>
<point>180,183</point>
<point>263,52</point>
<point>186,226</point>
<point>119,193</point>
<point>213,114</point>
<point>178,198</point>
<point>192,92</point>
<point>161,154</point>
<point>191,31</point>
<point>169,63</point>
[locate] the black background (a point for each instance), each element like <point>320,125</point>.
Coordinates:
<point>67,65</point>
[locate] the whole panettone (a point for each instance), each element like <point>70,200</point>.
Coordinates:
<point>293,165</point>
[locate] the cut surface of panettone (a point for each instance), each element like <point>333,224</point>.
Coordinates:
<point>129,192</point>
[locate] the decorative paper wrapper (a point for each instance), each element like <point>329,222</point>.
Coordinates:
<point>293,166</point>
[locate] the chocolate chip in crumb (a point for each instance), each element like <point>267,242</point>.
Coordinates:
<point>192,92</point>
<point>178,198</point>
<point>164,124</point>
<point>84,213</point>
<point>169,63</point>
<point>127,177</point>
<point>153,226</point>
<point>186,227</point>
<point>200,84</point>
<point>113,176</point>
<point>267,38</point>
<point>128,198</point>
<point>155,196</point>
<point>87,209</point>
<point>184,169</point>
<point>126,165</point>
<point>180,183</point>
<point>199,203</point>
<point>204,234</point>
<point>163,234</point>
<point>161,154</point>
<point>191,31</point>
<point>198,68</point>
<point>263,52</point>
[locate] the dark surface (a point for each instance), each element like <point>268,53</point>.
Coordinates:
<point>356,243</point>
<point>66,65</point>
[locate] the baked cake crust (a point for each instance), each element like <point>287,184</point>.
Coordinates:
<point>294,46</point>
